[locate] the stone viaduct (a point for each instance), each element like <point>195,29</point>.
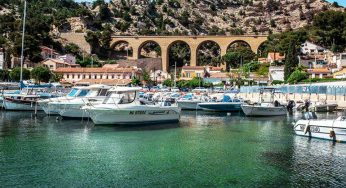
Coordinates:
<point>194,42</point>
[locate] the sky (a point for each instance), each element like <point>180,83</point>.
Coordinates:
<point>341,2</point>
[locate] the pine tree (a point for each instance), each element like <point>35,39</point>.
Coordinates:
<point>291,59</point>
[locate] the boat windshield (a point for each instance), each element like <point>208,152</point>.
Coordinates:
<point>83,93</point>
<point>128,97</point>
<point>92,93</point>
<point>73,92</point>
<point>120,98</point>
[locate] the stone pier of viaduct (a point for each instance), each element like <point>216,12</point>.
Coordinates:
<point>194,42</point>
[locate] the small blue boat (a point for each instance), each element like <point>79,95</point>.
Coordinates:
<point>227,104</point>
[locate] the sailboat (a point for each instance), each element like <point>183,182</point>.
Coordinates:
<point>28,96</point>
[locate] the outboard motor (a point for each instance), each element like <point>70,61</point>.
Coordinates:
<point>306,106</point>
<point>276,103</point>
<point>309,115</point>
<point>291,104</point>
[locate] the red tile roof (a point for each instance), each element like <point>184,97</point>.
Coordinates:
<point>106,81</point>
<point>276,56</point>
<point>219,75</point>
<point>193,67</point>
<point>95,70</point>
<point>319,71</point>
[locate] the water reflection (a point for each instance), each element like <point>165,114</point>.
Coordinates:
<point>204,149</point>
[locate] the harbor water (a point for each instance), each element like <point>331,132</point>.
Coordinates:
<point>203,150</point>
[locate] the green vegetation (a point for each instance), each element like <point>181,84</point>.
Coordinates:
<point>238,56</point>
<point>41,74</point>
<point>297,76</point>
<point>180,54</point>
<point>15,74</point>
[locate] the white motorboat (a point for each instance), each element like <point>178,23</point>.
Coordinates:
<point>334,130</point>
<point>26,99</point>
<point>190,101</point>
<point>72,108</point>
<point>265,107</point>
<point>122,106</point>
<point>51,106</point>
<point>229,103</point>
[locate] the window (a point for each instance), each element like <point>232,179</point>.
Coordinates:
<point>127,98</point>
<point>73,92</point>
<point>188,75</point>
<point>67,76</point>
<point>83,92</point>
<point>103,92</point>
<point>198,74</point>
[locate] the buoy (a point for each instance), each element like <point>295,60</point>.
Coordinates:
<point>229,113</point>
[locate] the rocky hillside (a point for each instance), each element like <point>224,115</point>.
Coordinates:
<point>199,17</point>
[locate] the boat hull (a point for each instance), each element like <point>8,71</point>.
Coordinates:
<point>189,105</point>
<point>141,115</point>
<point>324,108</point>
<point>221,106</point>
<point>322,129</point>
<point>251,110</point>
<point>12,104</point>
<point>49,109</point>
<point>73,112</point>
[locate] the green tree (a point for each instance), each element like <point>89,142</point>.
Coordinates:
<point>234,57</point>
<point>168,83</point>
<point>15,74</point>
<point>147,79</point>
<point>73,49</point>
<point>291,61</point>
<point>135,81</point>
<point>41,74</point>
<point>297,76</point>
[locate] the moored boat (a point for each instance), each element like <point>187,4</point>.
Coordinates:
<point>26,100</point>
<point>265,107</point>
<point>334,130</point>
<point>190,101</point>
<point>72,108</point>
<point>52,106</point>
<point>123,107</point>
<point>227,104</point>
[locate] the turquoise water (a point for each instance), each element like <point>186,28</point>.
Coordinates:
<point>203,150</point>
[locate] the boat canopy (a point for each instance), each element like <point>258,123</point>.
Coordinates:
<point>98,86</point>
<point>125,89</point>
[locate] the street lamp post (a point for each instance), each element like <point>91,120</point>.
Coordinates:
<point>175,73</point>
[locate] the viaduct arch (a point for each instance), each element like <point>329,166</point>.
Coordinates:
<point>137,42</point>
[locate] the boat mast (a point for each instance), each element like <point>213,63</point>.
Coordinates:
<point>23,37</point>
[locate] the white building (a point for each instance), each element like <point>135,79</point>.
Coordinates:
<point>308,48</point>
<point>339,60</point>
<point>276,73</point>
<point>54,64</point>
<point>111,76</point>
<point>68,58</point>
<point>159,76</point>
<point>2,59</point>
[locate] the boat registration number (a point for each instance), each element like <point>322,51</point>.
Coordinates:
<point>161,112</point>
